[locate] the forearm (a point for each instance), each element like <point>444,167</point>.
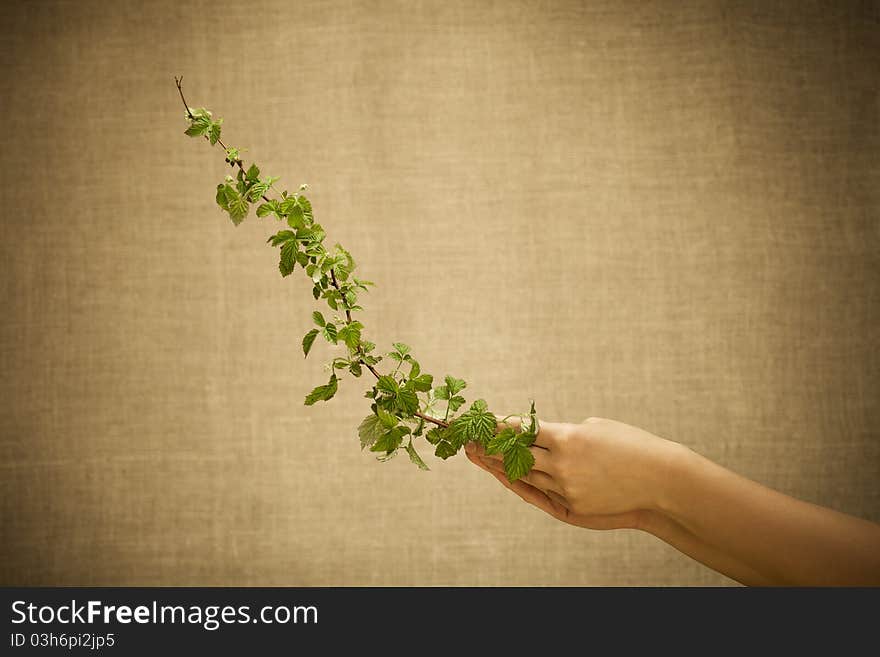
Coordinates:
<point>767,537</point>
<point>671,532</point>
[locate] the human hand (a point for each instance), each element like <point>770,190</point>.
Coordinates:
<point>600,474</point>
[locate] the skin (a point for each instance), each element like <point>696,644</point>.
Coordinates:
<point>604,474</point>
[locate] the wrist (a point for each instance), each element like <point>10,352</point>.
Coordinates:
<point>676,468</point>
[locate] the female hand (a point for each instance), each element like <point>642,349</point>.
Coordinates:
<point>600,474</point>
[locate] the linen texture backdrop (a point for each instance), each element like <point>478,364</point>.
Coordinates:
<point>660,212</point>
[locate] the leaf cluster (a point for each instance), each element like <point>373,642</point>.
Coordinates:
<point>404,402</point>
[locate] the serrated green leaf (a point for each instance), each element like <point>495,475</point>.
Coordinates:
<point>198,126</point>
<point>369,430</point>
<point>517,462</point>
<point>309,340</point>
<point>265,209</point>
<point>390,421</point>
<point>214,131</point>
<point>390,440</point>
<point>286,205</point>
<point>445,449</point>
<point>407,401</point>
<point>323,393</point>
<point>288,258</point>
<point>257,190</point>
<point>401,348</point>
<point>476,424</point>
<point>454,385</point>
<point>435,435</point>
<point>329,332</point>
<point>281,237</point>
<point>350,334</point>
<point>253,172</point>
<point>238,209</point>
<point>387,384</point>
<point>306,206</point>
<point>441,392</point>
<point>455,403</point>
<point>319,319</point>
<point>221,196</point>
<point>295,217</point>
<point>422,383</point>
<point>415,458</point>
<point>502,441</point>
<point>355,369</point>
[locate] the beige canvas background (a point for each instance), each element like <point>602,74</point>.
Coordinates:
<point>665,213</point>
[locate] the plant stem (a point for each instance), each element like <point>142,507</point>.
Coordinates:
<point>333,281</point>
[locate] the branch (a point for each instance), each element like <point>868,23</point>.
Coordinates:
<point>333,281</point>
<point>179,82</point>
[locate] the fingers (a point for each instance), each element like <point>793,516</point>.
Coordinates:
<point>538,479</point>
<point>542,456</point>
<point>559,499</point>
<point>532,495</point>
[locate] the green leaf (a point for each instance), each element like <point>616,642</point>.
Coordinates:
<point>445,449</point>
<point>329,333</point>
<point>319,319</point>
<point>422,383</point>
<point>281,237</point>
<point>369,430</point>
<point>455,403</point>
<point>323,393</point>
<point>231,201</point>
<point>441,392</point>
<point>388,420</point>
<point>214,131</point>
<point>390,440</point>
<point>265,209</point>
<point>407,401</point>
<point>454,385</point>
<point>401,348</point>
<point>477,424</point>
<point>260,187</point>
<point>295,217</point>
<point>517,462</point>
<point>238,209</point>
<point>198,126</point>
<point>502,441</point>
<point>221,196</point>
<point>350,334</point>
<point>533,421</point>
<point>253,173</point>
<point>286,205</point>
<point>387,384</point>
<point>309,340</point>
<point>288,258</point>
<point>415,458</point>
<point>306,206</point>
<point>435,435</point>
<point>355,368</point>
